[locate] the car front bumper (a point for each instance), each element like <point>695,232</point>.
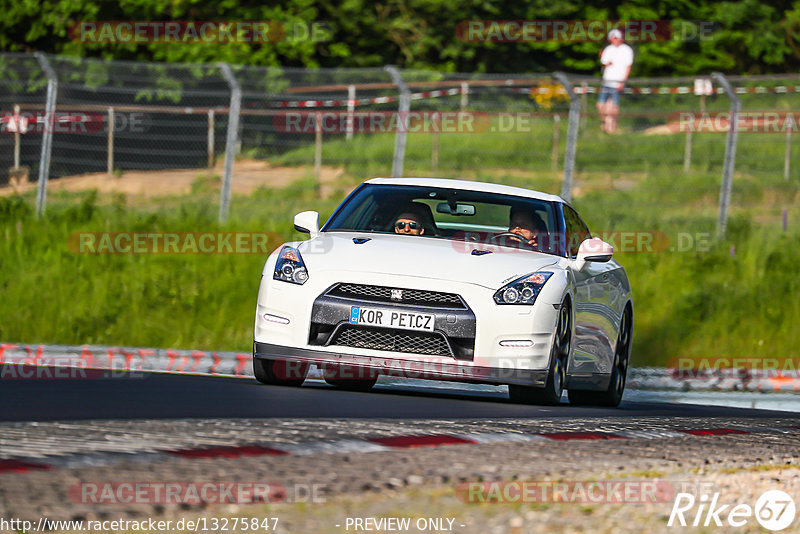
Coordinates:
<point>491,326</point>
<point>408,368</point>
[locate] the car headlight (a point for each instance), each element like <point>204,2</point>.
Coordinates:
<point>522,290</point>
<point>290,267</point>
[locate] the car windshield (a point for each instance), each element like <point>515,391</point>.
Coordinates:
<point>454,214</point>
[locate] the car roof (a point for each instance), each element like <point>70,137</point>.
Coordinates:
<point>469,185</point>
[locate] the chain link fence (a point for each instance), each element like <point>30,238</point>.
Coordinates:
<point>108,118</point>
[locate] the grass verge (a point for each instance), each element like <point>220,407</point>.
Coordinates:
<point>695,297</point>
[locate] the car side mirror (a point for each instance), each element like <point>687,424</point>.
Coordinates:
<point>594,249</point>
<point>307,222</point>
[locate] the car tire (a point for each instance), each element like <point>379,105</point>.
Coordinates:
<point>550,395</point>
<point>279,372</point>
<point>612,396</point>
<point>366,378</point>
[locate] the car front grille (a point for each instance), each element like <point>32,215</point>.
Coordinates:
<point>413,297</point>
<point>392,340</point>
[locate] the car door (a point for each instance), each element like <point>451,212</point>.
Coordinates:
<point>594,317</point>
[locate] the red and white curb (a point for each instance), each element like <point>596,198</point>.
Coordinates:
<point>377,444</point>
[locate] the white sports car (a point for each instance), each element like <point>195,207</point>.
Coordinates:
<point>448,280</point>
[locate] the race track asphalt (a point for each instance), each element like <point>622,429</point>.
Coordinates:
<point>172,396</point>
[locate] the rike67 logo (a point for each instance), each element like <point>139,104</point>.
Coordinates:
<point>774,510</point>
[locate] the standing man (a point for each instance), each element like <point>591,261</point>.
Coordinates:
<point>617,59</point>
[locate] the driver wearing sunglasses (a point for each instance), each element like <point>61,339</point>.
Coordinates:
<point>408,223</point>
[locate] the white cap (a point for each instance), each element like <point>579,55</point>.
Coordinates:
<point>614,33</point>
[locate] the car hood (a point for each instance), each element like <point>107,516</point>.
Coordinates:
<point>420,257</point>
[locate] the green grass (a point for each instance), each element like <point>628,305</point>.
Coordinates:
<point>531,149</point>
<point>53,295</point>
<point>709,302</point>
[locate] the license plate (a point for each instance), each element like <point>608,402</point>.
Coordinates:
<point>391,318</point>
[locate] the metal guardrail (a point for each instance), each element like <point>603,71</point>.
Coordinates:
<point>221,363</point>
<point>215,363</point>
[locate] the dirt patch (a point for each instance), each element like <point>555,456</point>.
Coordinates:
<point>248,175</point>
<point>251,174</point>
<point>718,122</point>
<point>663,129</point>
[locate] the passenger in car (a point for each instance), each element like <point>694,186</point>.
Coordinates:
<point>528,225</point>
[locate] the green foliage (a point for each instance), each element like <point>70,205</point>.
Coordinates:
<point>748,36</point>
<point>206,183</point>
<point>14,208</point>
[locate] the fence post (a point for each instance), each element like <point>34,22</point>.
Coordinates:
<point>435,147</point>
<point>789,124</point>
<point>556,135</point>
<point>318,150</point>
<point>402,122</point>
<point>110,148</point>
<point>211,139</point>
<point>464,95</point>
<point>47,134</point>
<point>231,139</point>
<point>572,135</point>
<point>687,152</point>
<point>239,130</point>
<point>730,154</point>
<point>584,103</point>
<point>17,136</point>
<point>351,107</point>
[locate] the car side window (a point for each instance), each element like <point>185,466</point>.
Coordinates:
<point>577,231</point>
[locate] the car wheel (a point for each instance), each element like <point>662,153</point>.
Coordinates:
<point>279,372</point>
<point>612,396</point>
<point>557,374</point>
<point>350,378</point>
